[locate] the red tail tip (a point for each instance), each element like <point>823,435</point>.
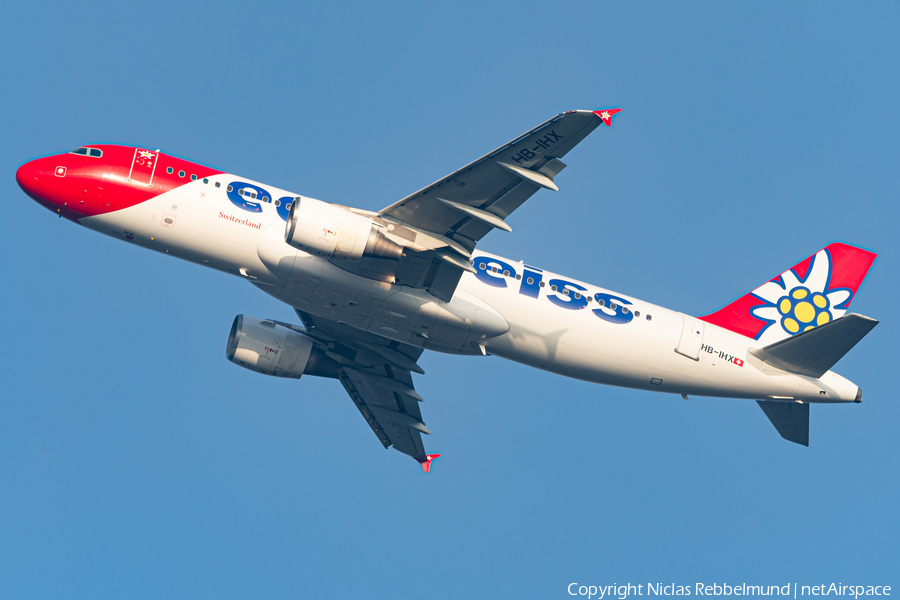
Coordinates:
<point>607,114</point>
<point>426,461</point>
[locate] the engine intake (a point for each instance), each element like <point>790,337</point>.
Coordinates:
<point>272,349</point>
<point>328,230</point>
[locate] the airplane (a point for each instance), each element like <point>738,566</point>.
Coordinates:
<point>374,290</point>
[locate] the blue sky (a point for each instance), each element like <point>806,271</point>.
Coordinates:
<point>136,461</point>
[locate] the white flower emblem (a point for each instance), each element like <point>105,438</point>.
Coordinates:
<point>799,305</point>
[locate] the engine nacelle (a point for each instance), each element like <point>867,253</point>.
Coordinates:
<point>272,349</point>
<point>328,230</point>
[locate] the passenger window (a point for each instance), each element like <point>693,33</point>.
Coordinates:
<point>518,277</point>
<point>553,288</point>
<point>96,152</point>
<point>181,173</point>
<point>253,195</point>
<point>265,198</point>
<point>289,206</point>
<point>649,318</point>
<point>170,170</point>
<point>494,269</point>
<point>278,203</point>
<point>205,180</point>
<point>530,281</point>
<point>577,296</point>
<point>543,284</point>
<point>218,184</point>
<point>637,313</point>
<point>613,306</point>
<point>506,273</point>
<point>482,266</point>
<point>601,302</point>
<point>624,310</point>
<point>566,291</point>
<point>193,178</point>
<point>230,189</point>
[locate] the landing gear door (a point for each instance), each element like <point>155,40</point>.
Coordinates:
<point>143,166</point>
<point>691,338</point>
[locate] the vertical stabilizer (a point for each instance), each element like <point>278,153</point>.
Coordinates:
<point>813,292</point>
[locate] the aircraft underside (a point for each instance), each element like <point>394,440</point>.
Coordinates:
<point>372,291</point>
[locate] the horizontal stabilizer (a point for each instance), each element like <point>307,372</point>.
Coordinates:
<point>814,352</point>
<point>791,419</point>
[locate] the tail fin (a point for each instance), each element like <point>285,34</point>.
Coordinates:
<point>813,292</point>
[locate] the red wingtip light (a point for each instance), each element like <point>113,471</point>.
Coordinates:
<point>607,114</point>
<point>426,461</point>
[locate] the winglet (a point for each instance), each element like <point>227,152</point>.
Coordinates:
<point>607,115</point>
<point>425,461</point>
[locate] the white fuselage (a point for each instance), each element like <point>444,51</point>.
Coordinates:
<point>625,342</point>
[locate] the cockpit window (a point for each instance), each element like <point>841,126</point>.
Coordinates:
<point>95,152</point>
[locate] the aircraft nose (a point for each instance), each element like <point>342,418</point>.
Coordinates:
<point>36,178</point>
<point>28,178</point>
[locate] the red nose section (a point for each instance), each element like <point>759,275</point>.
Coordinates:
<point>35,180</point>
<point>28,177</point>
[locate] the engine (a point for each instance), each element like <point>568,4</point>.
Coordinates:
<point>328,230</point>
<point>272,349</point>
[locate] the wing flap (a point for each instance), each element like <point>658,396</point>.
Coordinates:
<point>814,352</point>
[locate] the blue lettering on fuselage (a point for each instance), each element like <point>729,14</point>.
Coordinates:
<point>562,293</point>
<point>493,272</point>
<point>284,207</point>
<point>531,282</point>
<point>240,194</point>
<point>567,294</point>
<point>613,309</point>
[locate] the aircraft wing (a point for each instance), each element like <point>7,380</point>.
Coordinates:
<point>468,203</point>
<point>377,374</point>
<point>445,220</point>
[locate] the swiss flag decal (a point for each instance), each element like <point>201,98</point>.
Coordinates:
<point>738,362</point>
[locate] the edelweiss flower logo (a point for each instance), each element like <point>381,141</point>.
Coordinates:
<point>799,305</point>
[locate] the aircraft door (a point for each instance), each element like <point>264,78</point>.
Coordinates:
<point>691,338</point>
<point>143,166</point>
